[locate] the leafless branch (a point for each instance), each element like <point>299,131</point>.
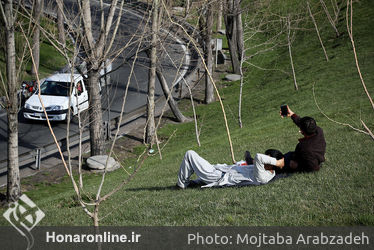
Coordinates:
<point>197,133</point>
<point>316,27</point>
<point>332,120</point>
<point>350,32</point>
<point>332,22</point>
<point>211,78</point>
<point>290,53</point>
<point>367,129</point>
<point>76,189</point>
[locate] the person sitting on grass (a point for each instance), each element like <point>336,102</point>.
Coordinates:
<point>259,170</point>
<point>310,151</point>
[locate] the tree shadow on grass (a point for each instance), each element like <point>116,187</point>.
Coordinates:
<point>154,188</point>
<point>3,201</point>
<point>172,188</point>
<point>134,138</point>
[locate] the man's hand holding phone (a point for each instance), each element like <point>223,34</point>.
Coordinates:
<point>285,111</point>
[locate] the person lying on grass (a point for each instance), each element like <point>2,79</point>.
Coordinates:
<point>259,170</point>
<point>310,151</point>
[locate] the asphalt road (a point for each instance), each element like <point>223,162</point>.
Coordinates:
<point>36,134</point>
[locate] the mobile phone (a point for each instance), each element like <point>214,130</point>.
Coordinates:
<point>284,110</point>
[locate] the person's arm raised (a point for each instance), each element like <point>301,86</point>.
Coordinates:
<point>290,112</point>
<point>295,118</point>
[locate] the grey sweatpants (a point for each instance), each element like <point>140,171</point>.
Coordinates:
<point>192,162</point>
<point>208,173</point>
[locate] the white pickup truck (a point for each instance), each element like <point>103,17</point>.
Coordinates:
<point>55,95</point>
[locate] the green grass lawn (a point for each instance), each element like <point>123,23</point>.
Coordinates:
<point>341,193</point>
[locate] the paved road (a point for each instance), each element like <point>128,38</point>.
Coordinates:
<point>35,134</point>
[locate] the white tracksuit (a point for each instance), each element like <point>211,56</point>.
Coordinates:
<point>222,174</point>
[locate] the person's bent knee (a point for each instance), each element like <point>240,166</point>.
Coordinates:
<point>190,153</point>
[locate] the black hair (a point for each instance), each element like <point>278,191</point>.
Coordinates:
<point>308,125</point>
<point>274,153</point>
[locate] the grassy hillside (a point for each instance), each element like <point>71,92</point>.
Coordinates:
<point>50,59</point>
<point>341,193</point>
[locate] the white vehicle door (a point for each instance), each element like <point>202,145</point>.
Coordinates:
<point>81,95</point>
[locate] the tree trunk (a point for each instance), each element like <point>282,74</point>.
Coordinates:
<point>290,52</point>
<point>240,44</point>
<point>150,131</point>
<point>13,178</point>
<point>239,33</point>
<point>60,22</point>
<point>231,18</point>
<point>95,55</point>
<point>172,104</point>
<point>36,37</point>
<point>219,15</point>
<point>209,89</point>
<point>186,8</point>
<point>96,124</point>
<point>96,220</point>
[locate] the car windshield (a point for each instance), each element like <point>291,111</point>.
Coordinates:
<point>55,88</point>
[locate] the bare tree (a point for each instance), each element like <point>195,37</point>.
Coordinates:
<point>206,25</point>
<point>155,53</point>
<point>187,5</point>
<point>9,16</point>
<point>234,32</point>
<point>169,97</point>
<point>37,12</point>
<point>265,31</point>
<point>290,52</point>
<point>219,14</point>
<point>96,53</point>
<point>316,27</point>
<point>349,25</point>
<point>91,205</point>
<point>150,129</point>
<point>332,22</point>
<point>194,43</point>
<point>60,22</point>
<point>156,71</point>
<point>349,18</point>
<point>336,6</point>
<point>255,24</point>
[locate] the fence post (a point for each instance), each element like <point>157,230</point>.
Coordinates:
<point>37,159</point>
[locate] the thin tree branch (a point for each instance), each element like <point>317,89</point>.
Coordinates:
<point>350,32</point>
<point>83,204</point>
<point>290,53</point>
<point>316,27</point>
<point>367,129</point>
<point>212,80</point>
<point>329,17</point>
<point>340,123</point>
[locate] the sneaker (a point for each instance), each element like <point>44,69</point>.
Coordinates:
<point>248,158</point>
<point>178,187</point>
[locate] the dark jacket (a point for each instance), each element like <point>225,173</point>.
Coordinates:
<point>310,151</point>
